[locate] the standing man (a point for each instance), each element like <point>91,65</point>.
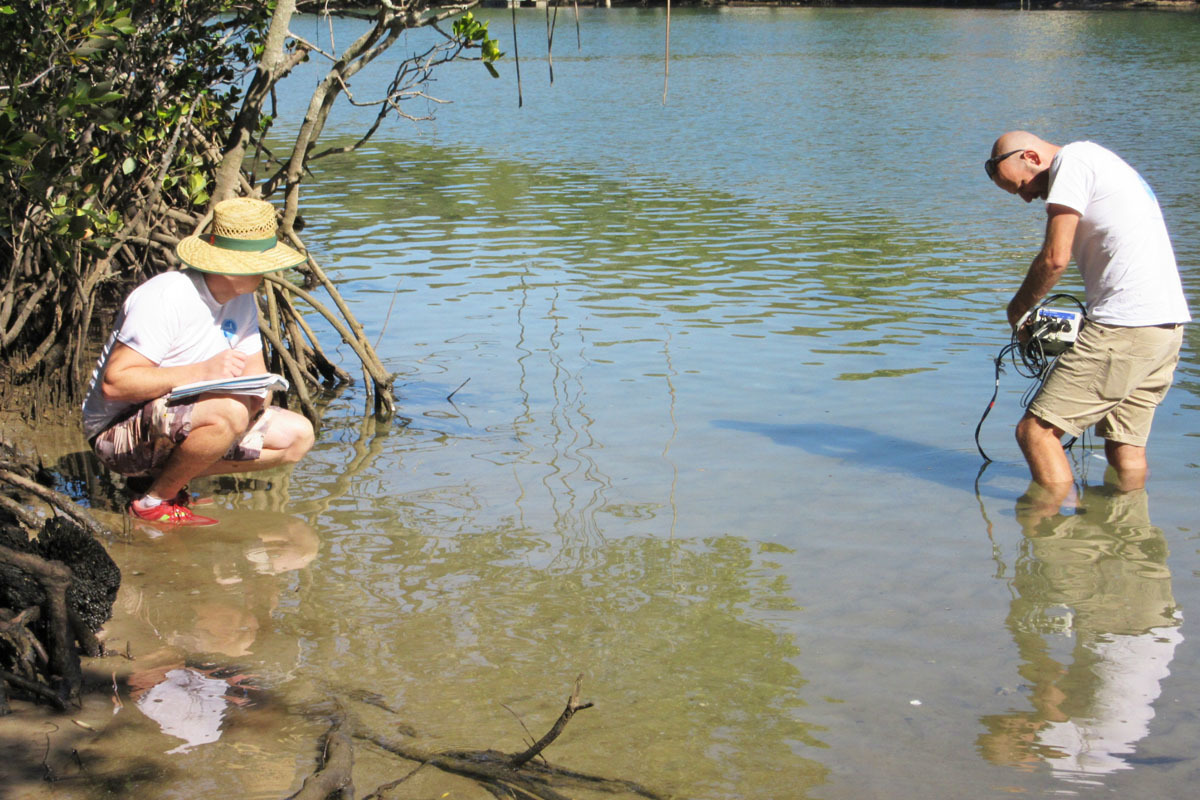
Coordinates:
<point>200,323</point>
<point>1101,212</point>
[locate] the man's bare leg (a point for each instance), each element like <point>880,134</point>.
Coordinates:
<point>1130,463</point>
<point>1053,481</point>
<point>1042,446</point>
<point>217,422</point>
<point>289,437</point>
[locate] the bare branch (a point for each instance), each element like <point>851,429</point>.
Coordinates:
<point>271,68</point>
<point>312,48</point>
<point>31,82</point>
<point>573,705</point>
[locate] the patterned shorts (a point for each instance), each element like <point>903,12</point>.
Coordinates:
<point>140,442</point>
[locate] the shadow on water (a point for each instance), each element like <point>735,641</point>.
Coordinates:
<point>868,449</point>
<point>1096,625</point>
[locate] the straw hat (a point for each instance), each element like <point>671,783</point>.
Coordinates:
<point>241,241</point>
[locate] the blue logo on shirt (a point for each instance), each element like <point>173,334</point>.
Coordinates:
<point>1146,186</point>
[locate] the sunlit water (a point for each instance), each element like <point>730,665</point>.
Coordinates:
<point>692,390</point>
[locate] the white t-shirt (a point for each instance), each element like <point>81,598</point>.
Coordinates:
<point>1127,674</point>
<point>173,320</point>
<point>1121,244</point>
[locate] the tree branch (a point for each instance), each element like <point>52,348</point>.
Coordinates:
<point>573,705</point>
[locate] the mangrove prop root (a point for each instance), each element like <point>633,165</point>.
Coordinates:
<point>332,778</point>
<point>55,580</point>
<point>66,583</point>
<point>34,688</point>
<point>57,500</point>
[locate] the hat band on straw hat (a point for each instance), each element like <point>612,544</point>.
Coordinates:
<point>245,245</point>
<point>243,240</point>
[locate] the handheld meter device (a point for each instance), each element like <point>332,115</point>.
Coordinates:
<point>1056,328</point>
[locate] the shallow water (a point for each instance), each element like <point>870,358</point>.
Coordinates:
<point>692,391</point>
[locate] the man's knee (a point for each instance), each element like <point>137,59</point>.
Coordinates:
<point>296,436</point>
<point>232,414</point>
<point>1124,456</point>
<point>1033,431</point>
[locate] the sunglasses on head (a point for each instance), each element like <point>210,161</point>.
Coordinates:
<point>990,165</point>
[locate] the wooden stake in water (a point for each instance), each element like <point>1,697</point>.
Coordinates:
<point>667,58</point>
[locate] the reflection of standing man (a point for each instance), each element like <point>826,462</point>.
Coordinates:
<point>1100,211</point>
<point>1093,586</point>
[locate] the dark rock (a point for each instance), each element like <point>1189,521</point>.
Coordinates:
<point>95,580</point>
<point>96,576</point>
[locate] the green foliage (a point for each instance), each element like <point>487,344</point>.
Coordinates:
<point>474,33</point>
<point>110,114</point>
<point>93,97</point>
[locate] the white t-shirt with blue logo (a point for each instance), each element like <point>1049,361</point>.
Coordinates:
<point>1121,244</point>
<point>173,320</point>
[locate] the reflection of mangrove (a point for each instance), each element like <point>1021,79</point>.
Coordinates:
<point>513,775</point>
<point>688,257</point>
<point>571,438</point>
<point>1096,626</point>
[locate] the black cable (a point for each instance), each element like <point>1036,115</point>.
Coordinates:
<point>995,393</point>
<point>1033,363</point>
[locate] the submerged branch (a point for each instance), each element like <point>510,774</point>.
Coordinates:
<point>506,775</point>
<point>332,778</point>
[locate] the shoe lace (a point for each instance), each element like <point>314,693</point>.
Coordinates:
<point>173,512</point>
<point>180,513</point>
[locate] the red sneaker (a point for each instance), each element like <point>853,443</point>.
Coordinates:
<point>169,513</point>
<point>185,498</point>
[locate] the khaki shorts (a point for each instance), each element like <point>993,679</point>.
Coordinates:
<point>140,442</point>
<point>1112,378</point>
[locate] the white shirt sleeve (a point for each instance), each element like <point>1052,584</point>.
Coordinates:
<point>1072,183</point>
<point>150,324</point>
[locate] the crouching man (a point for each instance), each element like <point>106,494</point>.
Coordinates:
<point>196,324</point>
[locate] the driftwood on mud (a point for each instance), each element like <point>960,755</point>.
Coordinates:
<point>504,775</point>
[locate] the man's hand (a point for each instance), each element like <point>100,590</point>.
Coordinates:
<point>1014,315</point>
<point>1024,331</point>
<point>226,364</point>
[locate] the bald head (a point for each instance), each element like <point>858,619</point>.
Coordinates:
<point>1020,164</point>
<point>1023,140</point>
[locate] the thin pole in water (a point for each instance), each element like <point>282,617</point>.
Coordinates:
<point>667,58</point>
<point>516,52</point>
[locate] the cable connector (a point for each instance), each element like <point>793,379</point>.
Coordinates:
<point>1056,328</point>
